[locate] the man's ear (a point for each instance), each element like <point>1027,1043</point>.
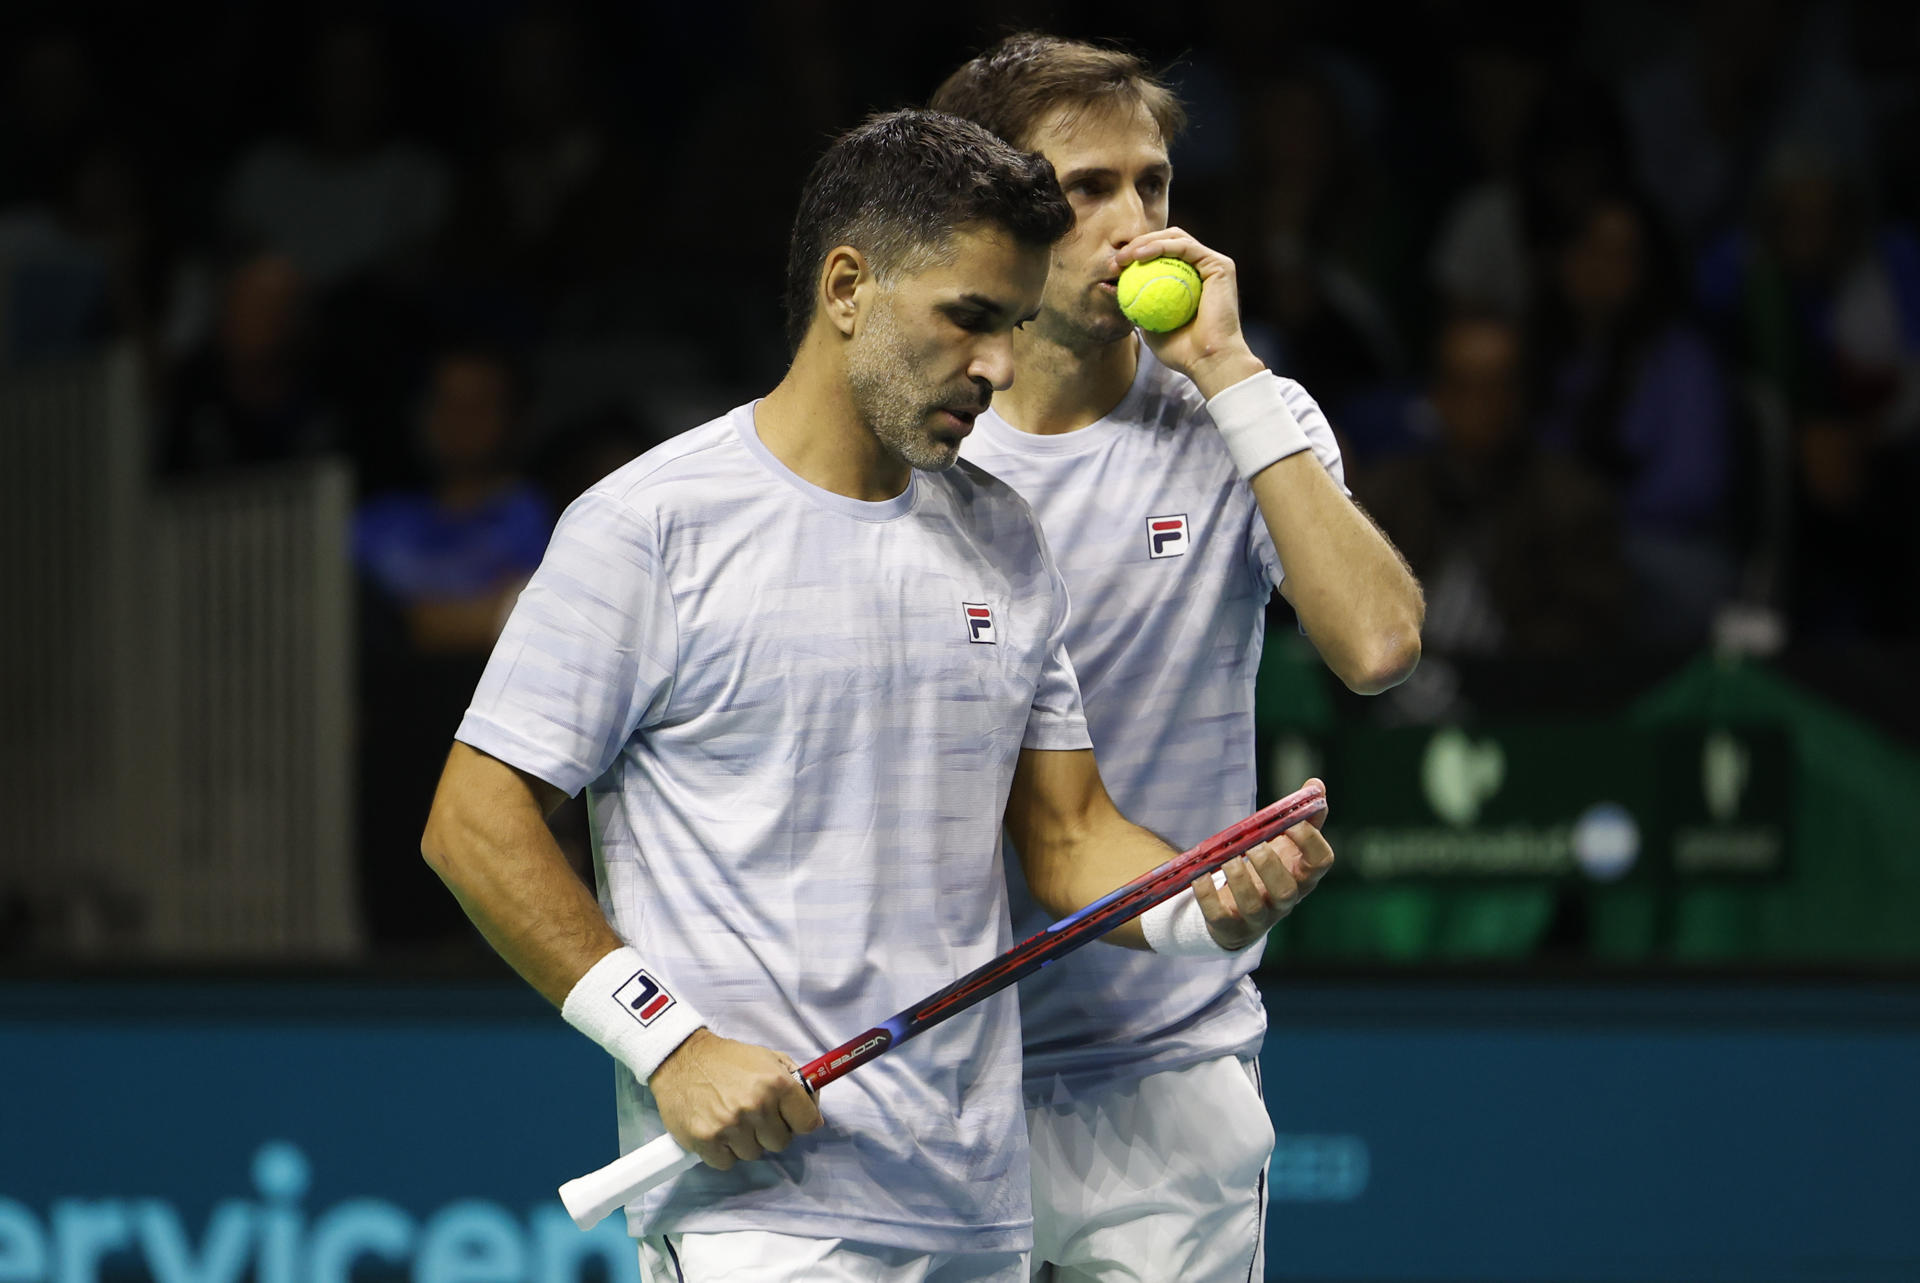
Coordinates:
<point>844,279</point>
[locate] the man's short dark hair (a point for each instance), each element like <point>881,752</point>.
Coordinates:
<point>898,187</point>
<point>1013,86</point>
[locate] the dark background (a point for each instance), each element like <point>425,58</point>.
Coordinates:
<point>487,251</point>
<point>1615,306</point>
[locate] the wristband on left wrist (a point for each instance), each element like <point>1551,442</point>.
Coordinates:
<point>1177,928</point>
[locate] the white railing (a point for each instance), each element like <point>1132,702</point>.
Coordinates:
<point>175,691</point>
<point>70,506</point>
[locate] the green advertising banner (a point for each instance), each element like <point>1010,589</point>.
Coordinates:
<point>1723,817</point>
<point>1603,801</point>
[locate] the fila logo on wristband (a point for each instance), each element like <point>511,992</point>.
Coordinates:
<point>979,622</point>
<point>1167,536</point>
<point>645,998</point>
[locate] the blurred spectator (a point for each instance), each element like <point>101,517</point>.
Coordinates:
<point>1572,147</point>
<point>248,394</point>
<point>1500,70</point>
<point>439,570</point>
<point>1627,385</point>
<point>1311,310</point>
<point>553,208</point>
<point>1743,75</point>
<point>1517,547</point>
<point>84,267</point>
<point>82,262</point>
<point>356,209</point>
<point>344,198</point>
<point>249,193</point>
<point>451,559</point>
<point>1818,299</point>
<point>750,126</point>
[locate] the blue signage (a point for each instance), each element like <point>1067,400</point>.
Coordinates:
<point>330,1134</point>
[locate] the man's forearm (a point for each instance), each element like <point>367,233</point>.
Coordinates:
<point>1076,847</point>
<point>1073,868</point>
<point>1359,603</point>
<point>495,853</point>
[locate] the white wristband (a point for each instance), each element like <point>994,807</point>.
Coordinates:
<point>629,1010</point>
<point>1255,422</point>
<point>1177,927</point>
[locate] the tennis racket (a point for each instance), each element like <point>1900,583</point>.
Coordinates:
<point>589,1198</point>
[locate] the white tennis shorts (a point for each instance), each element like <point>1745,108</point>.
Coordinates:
<point>1155,1179</point>
<point>756,1256</point>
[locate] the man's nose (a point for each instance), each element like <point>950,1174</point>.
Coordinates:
<point>993,361</point>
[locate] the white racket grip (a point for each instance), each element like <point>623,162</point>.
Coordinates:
<point>589,1198</point>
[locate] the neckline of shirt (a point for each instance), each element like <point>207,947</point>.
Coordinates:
<point>1080,440</point>
<point>859,509</point>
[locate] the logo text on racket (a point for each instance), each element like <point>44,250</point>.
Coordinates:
<point>876,1044</point>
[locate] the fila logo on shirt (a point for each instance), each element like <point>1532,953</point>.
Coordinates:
<point>644,997</point>
<point>979,623</point>
<point>1167,536</point>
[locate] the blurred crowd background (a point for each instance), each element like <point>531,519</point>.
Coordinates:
<point>1615,306</point>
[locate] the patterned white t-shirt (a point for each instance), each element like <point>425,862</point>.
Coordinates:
<point>797,718</point>
<point>1170,567</point>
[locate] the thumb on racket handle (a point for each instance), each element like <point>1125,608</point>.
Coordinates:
<point>589,1198</point>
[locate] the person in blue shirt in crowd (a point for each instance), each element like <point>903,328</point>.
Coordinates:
<point>451,558</point>
<point>439,567</point>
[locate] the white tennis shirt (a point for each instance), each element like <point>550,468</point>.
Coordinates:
<point>1170,567</point>
<point>797,717</point>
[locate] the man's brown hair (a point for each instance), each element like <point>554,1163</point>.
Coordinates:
<point>1011,87</point>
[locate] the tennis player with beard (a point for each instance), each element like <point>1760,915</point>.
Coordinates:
<point>805,665</point>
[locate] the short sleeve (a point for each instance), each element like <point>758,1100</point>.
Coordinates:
<point>1263,560</point>
<point>587,656</point>
<point>1056,719</point>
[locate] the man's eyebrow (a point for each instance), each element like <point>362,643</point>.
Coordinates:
<point>1159,168</point>
<point>1073,176</point>
<point>992,307</point>
<point>980,301</point>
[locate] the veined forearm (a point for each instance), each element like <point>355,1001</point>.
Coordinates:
<point>1070,874</point>
<point>551,948</point>
<point>497,856</point>
<point>1354,594</point>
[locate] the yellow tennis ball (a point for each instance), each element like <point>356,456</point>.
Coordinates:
<point>1159,294</point>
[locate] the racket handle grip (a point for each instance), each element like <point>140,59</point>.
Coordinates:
<point>589,1198</point>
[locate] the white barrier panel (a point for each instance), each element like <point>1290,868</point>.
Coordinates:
<point>252,644</point>
<point>70,524</point>
<point>175,691</point>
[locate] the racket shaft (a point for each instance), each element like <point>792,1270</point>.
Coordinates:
<point>1068,934</point>
<point>588,1199</point>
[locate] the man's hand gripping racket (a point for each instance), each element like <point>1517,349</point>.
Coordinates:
<point>590,1198</point>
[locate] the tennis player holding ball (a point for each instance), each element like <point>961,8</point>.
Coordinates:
<point>1178,482</point>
